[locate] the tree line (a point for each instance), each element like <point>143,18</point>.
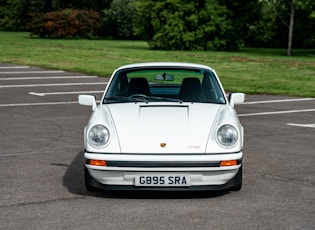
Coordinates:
<point>169,24</point>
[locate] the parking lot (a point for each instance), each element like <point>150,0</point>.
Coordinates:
<point>42,185</point>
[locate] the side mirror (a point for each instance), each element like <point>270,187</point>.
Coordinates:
<point>236,98</point>
<point>87,100</point>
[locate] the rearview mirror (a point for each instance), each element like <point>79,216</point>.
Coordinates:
<point>164,77</point>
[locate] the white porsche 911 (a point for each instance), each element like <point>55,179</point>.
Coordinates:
<point>163,126</point>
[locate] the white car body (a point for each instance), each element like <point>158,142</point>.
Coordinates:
<point>151,143</point>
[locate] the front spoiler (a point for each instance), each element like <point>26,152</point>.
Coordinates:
<point>121,169</point>
<point>92,182</point>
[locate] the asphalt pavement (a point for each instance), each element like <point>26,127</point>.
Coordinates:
<point>42,185</point>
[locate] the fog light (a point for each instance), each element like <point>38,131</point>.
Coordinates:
<point>228,163</point>
<point>97,162</point>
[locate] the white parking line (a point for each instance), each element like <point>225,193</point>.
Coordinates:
<point>302,125</point>
<point>14,67</point>
<point>43,78</point>
<point>277,101</point>
<point>38,71</point>
<point>41,104</point>
<point>57,84</point>
<point>63,93</point>
<point>276,112</point>
<point>36,104</point>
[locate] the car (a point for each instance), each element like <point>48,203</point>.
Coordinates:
<point>163,126</point>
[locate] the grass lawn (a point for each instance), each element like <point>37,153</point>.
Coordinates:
<point>252,71</point>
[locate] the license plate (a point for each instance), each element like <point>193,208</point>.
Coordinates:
<point>163,180</point>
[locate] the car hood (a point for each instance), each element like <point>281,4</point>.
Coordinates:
<point>163,128</point>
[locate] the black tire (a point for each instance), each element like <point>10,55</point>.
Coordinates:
<point>238,180</point>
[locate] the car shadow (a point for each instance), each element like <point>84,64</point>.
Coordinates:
<point>73,180</point>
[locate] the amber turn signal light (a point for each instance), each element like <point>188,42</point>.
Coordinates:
<point>97,162</point>
<point>228,163</point>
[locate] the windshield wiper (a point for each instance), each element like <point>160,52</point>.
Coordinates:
<point>138,98</point>
<point>152,98</point>
<point>121,99</point>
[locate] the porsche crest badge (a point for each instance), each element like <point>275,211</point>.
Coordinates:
<point>163,145</point>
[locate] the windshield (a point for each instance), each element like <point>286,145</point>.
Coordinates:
<point>164,84</point>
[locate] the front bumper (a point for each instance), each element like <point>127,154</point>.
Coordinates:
<point>204,170</point>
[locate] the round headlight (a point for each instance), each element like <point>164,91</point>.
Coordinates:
<point>227,135</point>
<point>98,136</point>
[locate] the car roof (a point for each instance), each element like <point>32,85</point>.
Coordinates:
<point>164,64</point>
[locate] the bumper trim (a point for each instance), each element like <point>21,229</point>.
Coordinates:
<point>155,164</point>
<point>165,158</point>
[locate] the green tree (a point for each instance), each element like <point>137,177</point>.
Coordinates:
<point>285,24</point>
<point>97,5</point>
<point>184,25</point>
<point>306,6</point>
<point>11,14</point>
<point>243,14</point>
<point>14,13</point>
<point>66,23</point>
<point>118,19</point>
